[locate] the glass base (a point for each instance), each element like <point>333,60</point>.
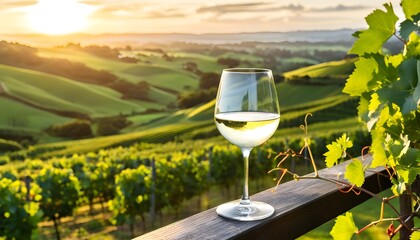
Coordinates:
<point>241,212</point>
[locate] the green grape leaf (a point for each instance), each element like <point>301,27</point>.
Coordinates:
<point>344,227</point>
<point>409,159</point>
<point>407,27</point>
<point>377,149</point>
<point>408,74</point>
<point>363,108</point>
<point>375,111</point>
<point>337,150</point>
<point>358,81</point>
<point>415,236</point>
<point>412,126</point>
<point>412,175</point>
<point>409,84</point>
<point>391,96</point>
<point>345,142</point>
<point>413,46</point>
<point>410,8</point>
<point>333,154</point>
<point>374,103</point>
<point>381,28</point>
<point>354,172</point>
<point>397,148</point>
<point>410,104</point>
<point>394,60</point>
<point>398,188</point>
<point>403,174</point>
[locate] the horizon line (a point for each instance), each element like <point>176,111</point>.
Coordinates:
<point>171,33</point>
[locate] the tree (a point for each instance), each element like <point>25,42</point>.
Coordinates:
<point>229,62</point>
<point>190,66</point>
<point>75,129</point>
<point>60,193</point>
<point>111,125</point>
<point>209,80</point>
<point>191,99</point>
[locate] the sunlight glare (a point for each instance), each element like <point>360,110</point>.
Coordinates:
<point>59,17</point>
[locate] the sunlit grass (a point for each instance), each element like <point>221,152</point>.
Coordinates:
<point>363,214</point>
<point>59,93</point>
<point>335,69</point>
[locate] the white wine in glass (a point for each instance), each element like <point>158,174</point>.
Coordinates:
<point>247,114</point>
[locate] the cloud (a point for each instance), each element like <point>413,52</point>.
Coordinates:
<point>247,7</point>
<point>109,10</point>
<point>10,4</point>
<point>339,8</point>
<point>164,14</point>
<point>136,11</point>
<point>224,8</point>
<point>268,7</point>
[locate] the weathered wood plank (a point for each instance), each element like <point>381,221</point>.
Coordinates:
<point>299,207</point>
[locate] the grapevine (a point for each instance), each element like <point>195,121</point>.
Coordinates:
<point>388,88</point>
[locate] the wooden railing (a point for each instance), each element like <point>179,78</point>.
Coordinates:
<point>300,206</point>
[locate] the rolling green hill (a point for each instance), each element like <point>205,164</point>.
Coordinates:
<point>335,69</point>
<point>204,62</point>
<point>151,68</point>
<point>56,93</point>
<point>154,135</point>
<point>164,69</point>
<point>75,55</point>
<point>160,76</point>
<point>296,94</point>
<point>34,120</point>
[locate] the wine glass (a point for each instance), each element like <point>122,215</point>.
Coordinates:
<point>247,114</point>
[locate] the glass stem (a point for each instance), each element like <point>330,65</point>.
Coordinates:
<point>245,197</point>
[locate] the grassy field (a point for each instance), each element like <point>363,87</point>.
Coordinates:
<point>154,135</point>
<point>152,68</point>
<point>336,69</point>
<point>58,93</point>
<point>34,119</point>
<point>75,55</point>
<point>363,214</point>
<point>160,77</point>
<point>300,60</point>
<point>296,94</point>
<point>204,62</point>
<point>295,47</point>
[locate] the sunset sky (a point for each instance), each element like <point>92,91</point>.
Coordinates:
<point>181,16</point>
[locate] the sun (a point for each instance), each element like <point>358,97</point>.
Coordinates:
<point>56,17</point>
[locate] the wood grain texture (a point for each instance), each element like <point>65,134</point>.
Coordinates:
<point>300,206</point>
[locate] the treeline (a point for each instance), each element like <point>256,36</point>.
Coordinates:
<point>130,180</point>
<point>104,52</point>
<point>207,91</point>
<point>22,56</point>
<point>77,128</point>
<point>82,128</point>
